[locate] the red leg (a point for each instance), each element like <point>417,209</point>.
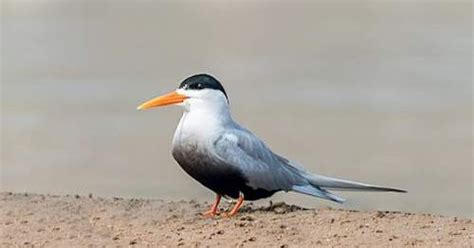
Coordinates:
<point>237,206</point>
<point>213,210</point>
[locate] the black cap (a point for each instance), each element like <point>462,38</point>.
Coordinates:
<point>202,81</point>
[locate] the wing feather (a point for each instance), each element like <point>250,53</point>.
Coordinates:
<point>262,168</point>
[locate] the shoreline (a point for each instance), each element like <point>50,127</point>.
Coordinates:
<point>29,219</point>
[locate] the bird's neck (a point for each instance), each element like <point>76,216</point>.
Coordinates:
<point>202,124</point>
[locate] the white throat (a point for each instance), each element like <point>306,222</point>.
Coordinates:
<point>206,114</point>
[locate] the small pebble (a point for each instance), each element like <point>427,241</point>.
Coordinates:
<point>279,210</point>
<point>380,214</point>
<point>247,218</point>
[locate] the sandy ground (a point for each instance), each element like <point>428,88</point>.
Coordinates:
<point>86,221</point>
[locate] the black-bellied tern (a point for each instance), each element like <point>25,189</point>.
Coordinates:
<point>230,160</point>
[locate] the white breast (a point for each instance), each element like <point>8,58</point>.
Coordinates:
<point>199,128</point>
<point>205,118</point>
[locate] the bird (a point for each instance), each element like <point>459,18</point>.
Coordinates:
<point>229,159</point>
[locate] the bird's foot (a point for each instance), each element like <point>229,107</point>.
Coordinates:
<point>229,214</point>
<point>213,211</point>
<point>210,213</point>
<point>235,209</point>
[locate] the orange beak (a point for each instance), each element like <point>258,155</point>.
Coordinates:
<point>168,99</point>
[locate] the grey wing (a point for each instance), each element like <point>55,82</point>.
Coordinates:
<point>262,168</point>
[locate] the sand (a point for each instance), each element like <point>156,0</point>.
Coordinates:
<point>87,221</point>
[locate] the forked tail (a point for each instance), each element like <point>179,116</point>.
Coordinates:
<point>318,186</point>
<point>341,184</point>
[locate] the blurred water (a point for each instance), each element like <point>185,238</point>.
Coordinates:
<point>374,91</point>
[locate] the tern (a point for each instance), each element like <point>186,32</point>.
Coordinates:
<point>229,159</point>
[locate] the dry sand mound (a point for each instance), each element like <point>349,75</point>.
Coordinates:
<point>65,221</point>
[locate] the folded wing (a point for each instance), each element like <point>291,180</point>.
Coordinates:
<point>264,169</point>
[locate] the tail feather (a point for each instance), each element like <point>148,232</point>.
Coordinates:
<point>320,181</point>
<point>341,184</point>
<point>318,185</point>
<point>318,192</point>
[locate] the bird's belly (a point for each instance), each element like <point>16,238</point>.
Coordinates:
<point>216,175</point>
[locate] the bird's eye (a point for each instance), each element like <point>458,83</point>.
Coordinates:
<point>199,86</point>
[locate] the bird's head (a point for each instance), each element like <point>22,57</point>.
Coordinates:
<point>200,91</point>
